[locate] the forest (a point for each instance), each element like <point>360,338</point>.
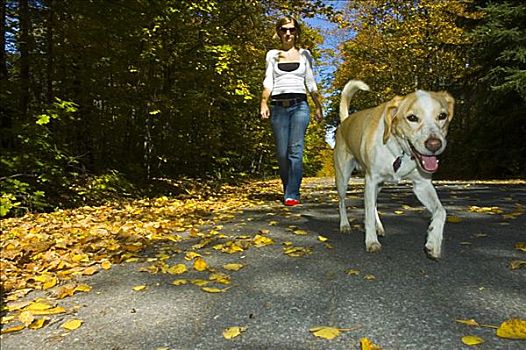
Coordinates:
<point>123,97</point>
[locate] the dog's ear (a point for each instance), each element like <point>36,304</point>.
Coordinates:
<point>450,104</point>
<point>391,108</point>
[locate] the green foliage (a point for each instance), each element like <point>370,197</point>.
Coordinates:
<point>148,89</point>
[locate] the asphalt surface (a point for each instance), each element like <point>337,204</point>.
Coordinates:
<point>411,303</point>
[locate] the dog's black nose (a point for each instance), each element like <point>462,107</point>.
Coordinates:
<point>433,144</point>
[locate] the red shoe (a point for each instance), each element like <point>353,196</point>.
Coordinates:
<point>290,202</point>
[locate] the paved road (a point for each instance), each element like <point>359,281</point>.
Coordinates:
<point>412,302</point>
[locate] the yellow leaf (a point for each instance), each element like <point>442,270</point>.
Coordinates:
<point>352,272</point>
<point>177,269</point>
<point>454,219</point>
<point>199,282</point>
<point>180,282</point>
<point>82,288</point>
<point>272,223</point>
<point>322,239</point>
<point>90,270</point>
<point>51,311</point>
<point>200,264</point>
<point>233,267</point>
<point>106,265</point>
<point>38,323</point>
<point>297,251</point>
<point>512,329</point>
<point>220,278</point>
<point>50,283</point>
<point>520,246</point>
<point>325,332</point>
<point>7,319</point>
<point>71,325</point>
<point>26,317</point>
<point>233,332</point>
<point>261,241</point>
<point>398,212</point>
<point>472,340</point>
<point>470,322</point>
<point>13,329</point>
<point>213,290</point>
<point>366,344</point>
<point>38,306</point>
<point>517,264</point>
<point>139,288</point>
<point>369,277</point>
<point>300,232</point>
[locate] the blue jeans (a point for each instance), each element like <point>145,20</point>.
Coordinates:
<point>289,125</point>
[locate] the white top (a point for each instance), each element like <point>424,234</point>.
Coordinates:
<point>296,81</point>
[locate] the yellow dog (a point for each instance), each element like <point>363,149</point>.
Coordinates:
<point>396,140</point>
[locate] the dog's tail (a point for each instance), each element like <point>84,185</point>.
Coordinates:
<point>347,93</point>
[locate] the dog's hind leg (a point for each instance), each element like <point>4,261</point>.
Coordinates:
<point>371,214</point>
<point>344,164</point>
<point>426,193</point>
<point>379,227</point>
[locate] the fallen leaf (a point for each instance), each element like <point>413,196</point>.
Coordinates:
<point>200,264</point>
<point>470,322</point>
<point>38,306</point>
<point>369,277</point>
<point>106,265</point>
<point>297,251</point>
<point>454,219</point>
<point>180,282</point>
<point>71,325</point>
<point>328,333</point>
<point>177,269</point>
<point>366,344</point>
<point>233,266</point>
<point>82,288</point>
<point>199,282</point>
<point>261,241</point>
<point>512,329</point>
<point>139,288</point>
<point>520,246</point>
<point>219,278</point>
<point>322,239</point>
<point>38,323</point>
<point>50,283</point>
<point>232,332</point>
<point>213,290</point>
<point>300,232</point>
<point>352,272</point>
<point>517,264</point>
<point>51,311</point>
<point>26,317</point>
<point>472,340</point>
<point>12,329</point>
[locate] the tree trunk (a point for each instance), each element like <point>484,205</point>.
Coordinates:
<point>3,30</point>
<point>24,56</point>
<point>50,53</point>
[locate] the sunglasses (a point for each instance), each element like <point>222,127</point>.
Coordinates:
<point>284,30</point>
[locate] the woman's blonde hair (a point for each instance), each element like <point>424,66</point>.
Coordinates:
<point>287,20</point>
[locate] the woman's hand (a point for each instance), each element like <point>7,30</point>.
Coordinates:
<point>318,114</point>
<point>264,111</point>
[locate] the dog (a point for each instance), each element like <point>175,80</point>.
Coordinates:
<point>399,139</point>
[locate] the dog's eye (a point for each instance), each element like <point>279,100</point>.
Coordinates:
<point>442,116</point>
<point>412,118</point>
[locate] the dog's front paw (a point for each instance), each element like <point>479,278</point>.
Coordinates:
<point>432,252</point>
<point>373,247</point>
<point>345,229</point>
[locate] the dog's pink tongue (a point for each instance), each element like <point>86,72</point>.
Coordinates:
<point>429,163</point>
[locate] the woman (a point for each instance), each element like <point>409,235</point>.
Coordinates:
<point>288,77</point>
